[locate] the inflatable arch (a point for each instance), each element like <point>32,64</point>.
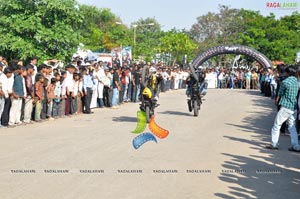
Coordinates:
<point>229,49</point>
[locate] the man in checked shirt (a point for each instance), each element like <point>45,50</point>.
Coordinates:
<point>287,94</point>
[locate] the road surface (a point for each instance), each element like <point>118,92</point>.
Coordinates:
<point>219,154</point>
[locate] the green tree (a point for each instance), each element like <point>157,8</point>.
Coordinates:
<point>89,30</point>
<point>278,39</point>
<point>215,29</point>
<point>100,31</point>
<point>177,44</point>
<point>43,28</point>
<point>287,40</point>
<point>148,33</point>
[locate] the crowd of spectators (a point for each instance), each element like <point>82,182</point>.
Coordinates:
<point>31,93</point>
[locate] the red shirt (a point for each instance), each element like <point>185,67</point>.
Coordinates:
<point>50,91</point>
<point>39,90</point>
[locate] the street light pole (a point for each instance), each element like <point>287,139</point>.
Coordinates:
<point>134,35</point>
<point>134,39</point>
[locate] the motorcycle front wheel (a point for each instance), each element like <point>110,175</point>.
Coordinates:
<point>148,116</point>
<point>196,108</point>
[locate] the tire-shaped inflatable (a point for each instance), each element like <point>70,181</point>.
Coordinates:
<point>229,49</point>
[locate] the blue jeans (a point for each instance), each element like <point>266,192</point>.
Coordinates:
<point>115,97</point>
<point>168,85</point>
<point>273,90</point>
<point>219,83</point>
<point>203,88</point>
<point>125,96</point>
<point>130,91</point>
<point>232,82</point>
<point>138,91</point>
<point>241,83</point>
<point>55,111</point>
<point>283,115</point>
<point>180,84</point>
<point>158,90</point>
<point>50,107</point>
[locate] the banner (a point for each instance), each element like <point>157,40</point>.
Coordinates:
<point>106,58</point>
<point>116,54</point>
<point>126,55</point>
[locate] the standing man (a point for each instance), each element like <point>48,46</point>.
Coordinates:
<point>287,94</point>
<point>88,83</point>
<point>30,94</point>
<point>254,79</point>
<point>241,78</point>
<point>136,84</point>
<point>127,77</point>
<point>18,95</point>
<point>8,93</point>
<point>3,91</point>
<point>116,88</point>
<point>107,92</point>
<point>33,63</point>
<point>221,77</point>
<point>130,87</point>
<point>248,79</point>
<point>99,75</point>
<point>69,87</point>
<point>39,97</point>
<point>2,63</point>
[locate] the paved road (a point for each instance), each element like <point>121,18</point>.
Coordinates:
<point>219,154</point>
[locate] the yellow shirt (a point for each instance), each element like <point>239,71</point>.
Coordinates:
<point>254,76</point>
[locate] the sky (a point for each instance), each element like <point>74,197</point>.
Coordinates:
<point>182,14</point>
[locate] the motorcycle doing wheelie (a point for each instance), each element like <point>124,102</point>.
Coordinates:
<point>196,91</point>
<point>148,103</point>
<point>149,90</point>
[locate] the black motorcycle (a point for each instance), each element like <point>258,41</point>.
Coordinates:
<point>195,101</point>
<point>148,101</point>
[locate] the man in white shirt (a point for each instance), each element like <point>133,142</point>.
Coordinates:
<point>130,85</point>
<point>7,92</point>
<point>176,79</point>
<point>74,102</point>
<point>2,63</point>
<point>221,77</point>
<point>69,87</point>
<point>3,91</point>
<point>107,92</point>
<point>180,77</point>
<point>165,77</point>
<point>33,63</point>
<point>185,75</point>
<point>29,87</point>
<point>126,85</point>
<point>99,74</point>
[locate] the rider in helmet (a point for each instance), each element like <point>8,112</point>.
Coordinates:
<point>152,82</point>
<point>201,73</point>
<point>147,93</point>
